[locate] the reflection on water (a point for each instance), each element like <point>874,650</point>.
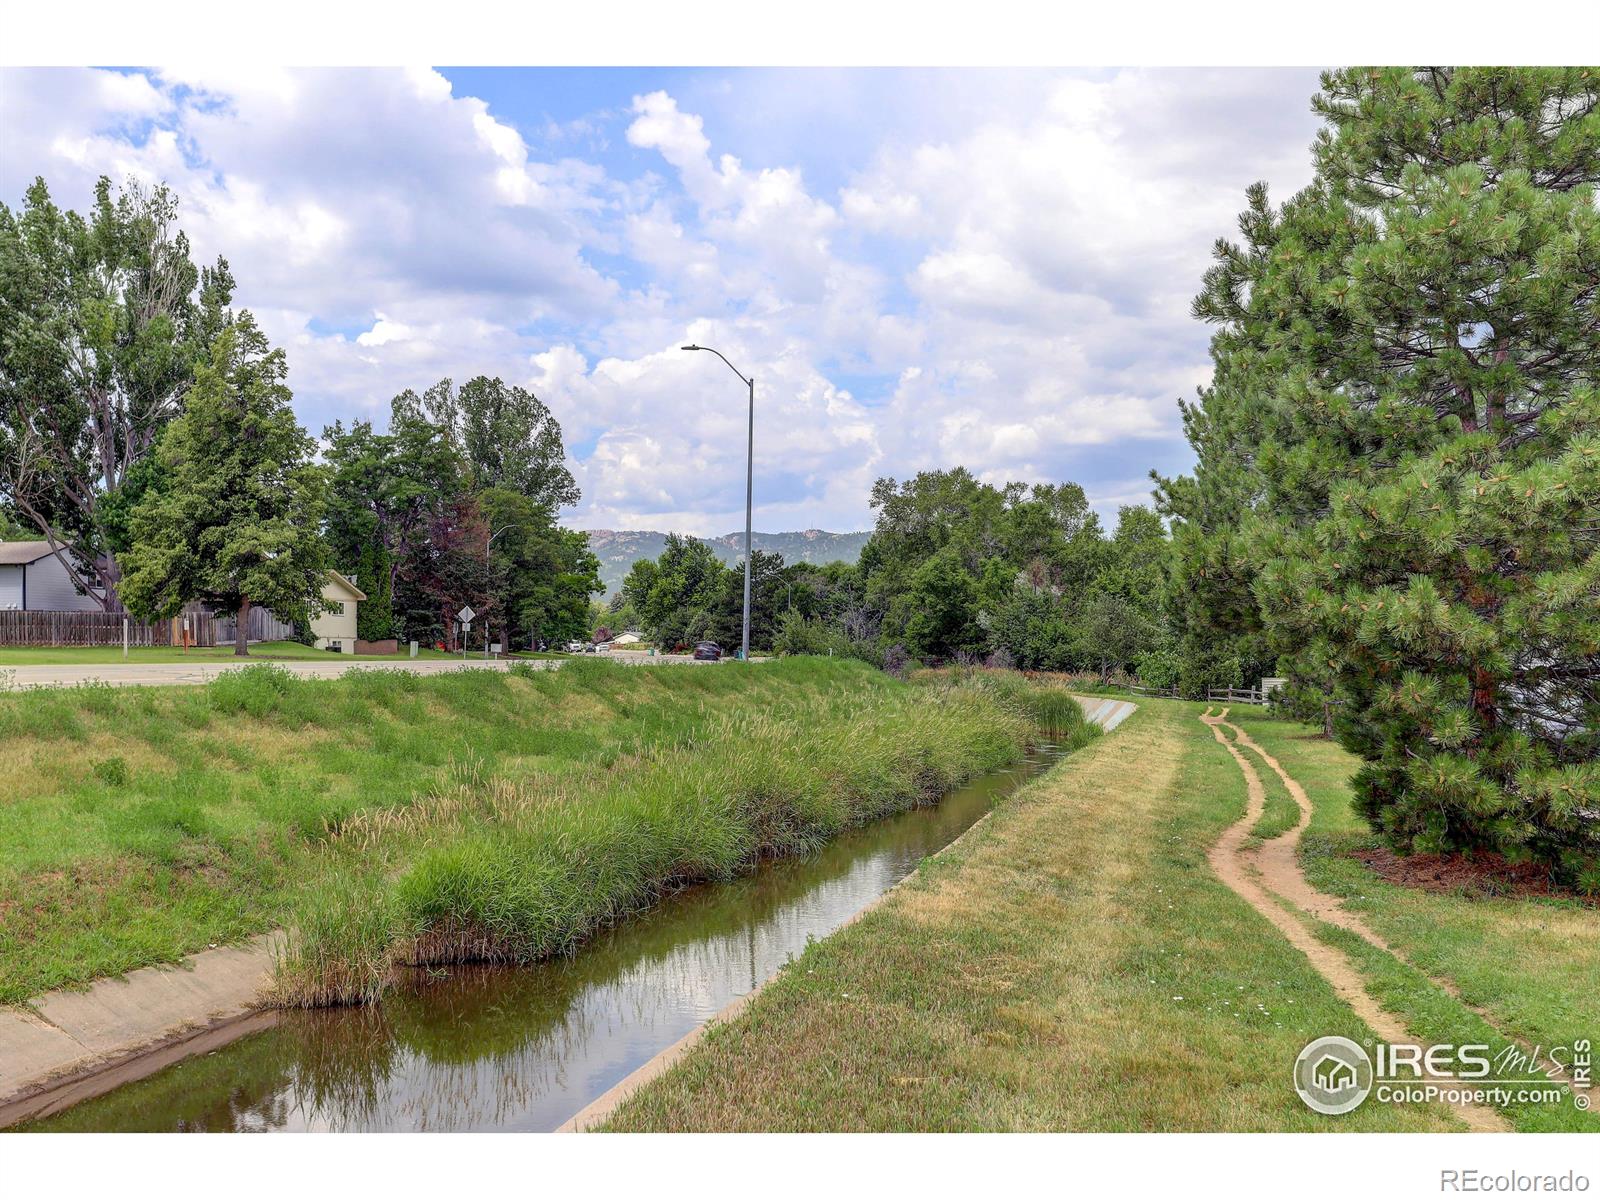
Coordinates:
<point>525,1048</point>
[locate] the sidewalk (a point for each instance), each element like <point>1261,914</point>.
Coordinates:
<point>204,671</point>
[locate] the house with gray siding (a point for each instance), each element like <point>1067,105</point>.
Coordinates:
<point>33,579</point>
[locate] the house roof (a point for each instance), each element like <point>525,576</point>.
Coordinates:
<point>14,554</point>
<point>349,586</point>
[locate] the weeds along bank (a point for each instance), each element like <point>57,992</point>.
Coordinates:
<point>388,818</point>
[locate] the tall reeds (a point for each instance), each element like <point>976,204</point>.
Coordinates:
<point>489,868</point>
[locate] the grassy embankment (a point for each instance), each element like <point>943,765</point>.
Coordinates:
<point>471,814</point>
<point>1074,964</point>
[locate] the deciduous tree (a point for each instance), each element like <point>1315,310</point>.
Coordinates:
<point>235,519</point>
<point>102,319</point>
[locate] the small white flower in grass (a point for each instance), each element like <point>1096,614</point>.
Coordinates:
<point>1177,997</point>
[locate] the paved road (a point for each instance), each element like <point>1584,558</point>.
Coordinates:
<point>132,673</point>
<point>145,674</point>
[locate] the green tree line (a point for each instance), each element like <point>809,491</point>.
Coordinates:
<point>147,433</point>
<point>956,569</point>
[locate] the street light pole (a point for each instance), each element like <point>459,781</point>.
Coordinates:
<point>749,489</point>
<point>487,542</point>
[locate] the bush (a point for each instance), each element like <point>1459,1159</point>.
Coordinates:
<point>897,660</point>
<point>808,635</point>
<point>1158,669</point>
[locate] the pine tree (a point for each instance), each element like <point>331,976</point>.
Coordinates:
<point>235,517</point>
<point>1408,357</point>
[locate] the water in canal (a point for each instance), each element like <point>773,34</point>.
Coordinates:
<point>525,1048</point>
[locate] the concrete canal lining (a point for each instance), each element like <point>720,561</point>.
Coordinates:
<point>69,1046</point>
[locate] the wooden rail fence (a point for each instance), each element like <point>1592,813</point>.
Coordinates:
<point>1141,690</point>
<point>1237,695</point>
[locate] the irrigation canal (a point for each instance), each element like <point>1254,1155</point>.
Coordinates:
<point>525,1048</point>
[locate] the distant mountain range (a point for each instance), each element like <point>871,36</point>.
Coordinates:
<point>619,549</point>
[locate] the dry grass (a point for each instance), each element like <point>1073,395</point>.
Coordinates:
<point>1072,965</point>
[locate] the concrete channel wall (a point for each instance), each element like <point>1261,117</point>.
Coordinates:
<point>69,1046</point>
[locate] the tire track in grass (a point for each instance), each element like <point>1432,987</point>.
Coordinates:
<point>1252,878</point>
<point>1279,863</point>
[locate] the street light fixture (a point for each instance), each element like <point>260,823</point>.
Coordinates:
<point>749,487</point>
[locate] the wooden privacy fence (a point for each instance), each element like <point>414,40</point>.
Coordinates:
<point>33,628</point>
<point>26,628</point>
<point>263,626</point>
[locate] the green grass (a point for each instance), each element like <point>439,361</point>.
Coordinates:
<point>1072,964</point>
<point>28,656</point>
<point>1434,1017</point>
<point>490,814</point>
<point>1279,813</point>
<point>1530,964</point>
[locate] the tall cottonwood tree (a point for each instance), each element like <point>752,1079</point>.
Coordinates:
<point>505,434</point>
<point>235,517</point>
<point>457,504</point>
<point>102,318</point>
<point>1408,356</point>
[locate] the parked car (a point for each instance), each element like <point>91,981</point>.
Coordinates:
<point>588,647</point>
<point>707,651</point>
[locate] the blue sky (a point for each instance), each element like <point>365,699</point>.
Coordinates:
<point>923,268</point>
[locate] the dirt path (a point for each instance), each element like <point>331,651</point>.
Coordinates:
<point>1280,868</point>
<point>1271,882</point>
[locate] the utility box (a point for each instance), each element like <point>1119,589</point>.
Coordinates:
<point>413,649</point>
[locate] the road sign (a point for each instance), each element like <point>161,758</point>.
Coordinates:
<point>466,614</point>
